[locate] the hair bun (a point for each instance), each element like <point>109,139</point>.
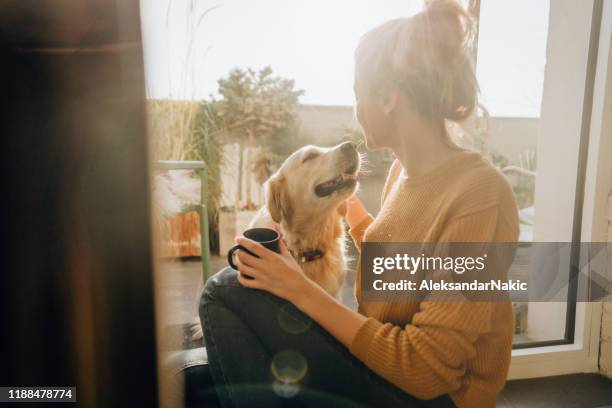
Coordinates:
<point>428,57</point>
<point>445,6</point>
<point>446,31</point>
<point>449,25</point>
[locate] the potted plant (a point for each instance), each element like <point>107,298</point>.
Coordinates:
<point>189,130</point>
<point>257,108</point>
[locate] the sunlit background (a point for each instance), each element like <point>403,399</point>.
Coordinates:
<point>190,44</point>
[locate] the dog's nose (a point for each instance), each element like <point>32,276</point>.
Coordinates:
<point>348,148</point>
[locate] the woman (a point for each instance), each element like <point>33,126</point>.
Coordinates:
<point>412,75</point>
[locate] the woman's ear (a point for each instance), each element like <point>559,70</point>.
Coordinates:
<point>277,197</point>
<point>389,98</point>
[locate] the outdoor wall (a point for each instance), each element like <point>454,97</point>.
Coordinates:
<point>324,125</point>
<point>510,136</point>
<point>229,177</point>
<point>513,136</point>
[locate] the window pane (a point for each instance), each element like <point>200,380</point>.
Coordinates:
<point>531,67</point>
<point>189,46</point>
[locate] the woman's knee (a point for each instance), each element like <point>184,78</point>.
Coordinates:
<point>224,289</point>
<point>215,290</point>
<point>226,277</point>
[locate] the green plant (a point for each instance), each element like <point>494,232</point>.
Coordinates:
<point>275,148</point>
<point>499,160</point>
<point>185,130</point>
<point>255,104</point>
<point>209,133</point>
<point>171,125</point>
<point>523,185</point>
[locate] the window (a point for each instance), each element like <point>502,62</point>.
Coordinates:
<point>557,336</point>
<point>536,64</point>
<point>511,60</point>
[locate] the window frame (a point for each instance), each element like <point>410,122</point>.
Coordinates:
<point>579,350</point>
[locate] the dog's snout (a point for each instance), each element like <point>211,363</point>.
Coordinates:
<point>348,148</point>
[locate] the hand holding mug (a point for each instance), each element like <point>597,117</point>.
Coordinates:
<point>267,237</point>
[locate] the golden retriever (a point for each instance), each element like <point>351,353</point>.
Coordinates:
<point>306,198</point>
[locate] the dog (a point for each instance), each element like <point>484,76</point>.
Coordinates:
<point>306,200</point>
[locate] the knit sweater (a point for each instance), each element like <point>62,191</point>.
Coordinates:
<point>432,348</point>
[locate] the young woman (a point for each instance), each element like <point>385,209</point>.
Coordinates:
<point>412,75</point>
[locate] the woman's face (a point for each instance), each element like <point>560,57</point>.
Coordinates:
<point>377,125</point>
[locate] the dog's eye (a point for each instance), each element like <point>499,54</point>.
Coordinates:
<point>310,156</point>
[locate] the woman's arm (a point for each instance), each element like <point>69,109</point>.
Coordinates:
<point>358,219</point>
<point>340,321</point>
<point>426,358</point>
<point>355,212</point>
<point>282,276</point>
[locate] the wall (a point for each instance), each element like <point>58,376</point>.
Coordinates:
<point>325,124</point>
<point>605,350</point>
<point>322,123</point>
<point>229,177</point>
<point>510,136</point>
<point>605,132</point>
<point>513,136</point>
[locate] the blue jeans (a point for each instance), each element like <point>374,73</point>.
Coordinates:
<point>264,352</point>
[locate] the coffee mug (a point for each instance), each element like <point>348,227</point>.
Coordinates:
<point>265,236</point>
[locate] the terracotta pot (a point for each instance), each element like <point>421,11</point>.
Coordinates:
<point>182,238</point>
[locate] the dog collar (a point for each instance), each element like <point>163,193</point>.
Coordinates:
<point>310,255</point>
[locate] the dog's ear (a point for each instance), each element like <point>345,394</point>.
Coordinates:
<point>343,208</point>
<point>279,205</point>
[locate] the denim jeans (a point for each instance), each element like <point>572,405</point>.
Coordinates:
<point>264,352</point>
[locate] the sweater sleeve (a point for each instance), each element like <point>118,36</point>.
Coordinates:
<point>358,231</point>
<point>427,358</point>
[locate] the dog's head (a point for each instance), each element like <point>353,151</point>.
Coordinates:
<point>312,182</point>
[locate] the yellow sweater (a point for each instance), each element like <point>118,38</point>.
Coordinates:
<point>434,348</point>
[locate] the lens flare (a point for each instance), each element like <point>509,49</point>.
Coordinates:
<point>285,390</point>
<point>289,366</point>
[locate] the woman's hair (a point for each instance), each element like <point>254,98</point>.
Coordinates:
<point>428,57</point>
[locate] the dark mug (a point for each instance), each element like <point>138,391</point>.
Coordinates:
<point>265,236</point>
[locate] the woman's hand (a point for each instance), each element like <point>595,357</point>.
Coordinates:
<point>355,212</point>
<point>279,274</point>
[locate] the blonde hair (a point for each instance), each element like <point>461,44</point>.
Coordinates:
<point>428,57</point>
